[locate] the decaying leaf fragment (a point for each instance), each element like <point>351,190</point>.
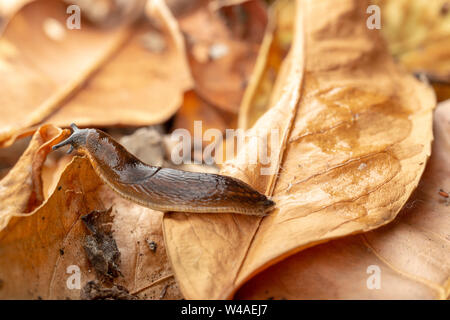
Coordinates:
<point>221,59</point>
<point>262,91</point>
<point>93,290</point>
<point>99,245</point>
<point>411,255</point>
<point>42,252</point>
<point>346,157</point>
<point>34,52</point>
<point>142,84</point>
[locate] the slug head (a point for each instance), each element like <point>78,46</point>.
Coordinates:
<point>75,140</point>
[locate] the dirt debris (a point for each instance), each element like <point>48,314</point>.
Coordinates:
<point>93,290</point>
<point>100,246</point>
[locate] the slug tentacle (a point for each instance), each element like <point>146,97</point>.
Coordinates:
<point>70,140</point>
<point>164,189</point>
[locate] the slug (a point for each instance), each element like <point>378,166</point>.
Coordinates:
<point>163,189</point>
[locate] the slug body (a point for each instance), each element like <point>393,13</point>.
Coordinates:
<point>164,189</point>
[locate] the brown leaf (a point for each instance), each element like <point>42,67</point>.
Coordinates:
<point>411,24</point>
<point>8,9</point>
<point>221,60</point>
<point>418,34</point>
<point>262,90</point>
<point>53,167</point>
<point>412,252</point>
<point>142,84</point>
<point>21,188</point>
<point>347,156</point>
<point>44,62</point>
<point>106,13</point>
<point>196,109</point>
<point>38,249</point>
<point>10,155</point>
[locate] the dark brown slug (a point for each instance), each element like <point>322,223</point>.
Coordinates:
<point>163,189</point>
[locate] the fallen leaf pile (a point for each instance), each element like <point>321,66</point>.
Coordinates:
<point>358,150</point>
<point>419,33</point>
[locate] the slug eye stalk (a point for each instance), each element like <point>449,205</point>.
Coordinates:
<point>70,140</point>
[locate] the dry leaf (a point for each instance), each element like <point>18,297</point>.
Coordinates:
<point>21,188</point>
<point>418,33</point>
<point>51,171</point>
<point>44,62</point>
<point>221,60</point>
<point>410,25</point>
<point>412,252</point>
<point>39,250</point>
<point>142,84</point>
<point>203,121</point>
<point>262,91</point>
<point>10,155</point>
<point>7,9</point>
<point>196,109</point>
<point>346,158</point>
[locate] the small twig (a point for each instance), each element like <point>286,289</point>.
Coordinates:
<point>163,292</point>
<point>153,283</point>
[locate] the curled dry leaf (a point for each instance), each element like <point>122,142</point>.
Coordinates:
<point>220,59</point>
<point>157,74</point>
<point>34,52</point>
<point>262,91</point>
<point>21,188</point>
<point>413,252</point>
<point>42,250</point>
<point>346,156</point>
<point>53,167</point>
